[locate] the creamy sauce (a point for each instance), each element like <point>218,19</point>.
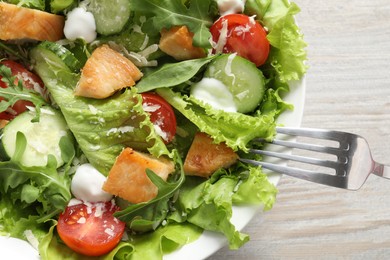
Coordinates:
<point>230,6</point>
<point>215,93</point>
<point>80,24</point>
<point>87,184</point>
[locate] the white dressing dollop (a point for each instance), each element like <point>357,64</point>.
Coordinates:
<point>87,184</point>
<point>80,24</point>
<point>230,6</point>
<point>214,93</point>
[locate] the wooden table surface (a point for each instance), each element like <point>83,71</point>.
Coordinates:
<point>348,88</point>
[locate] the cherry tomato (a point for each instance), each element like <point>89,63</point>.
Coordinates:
<point>161,115</point>
<point>241,34</point>
<point>90,228</point>
<point>30,81</point>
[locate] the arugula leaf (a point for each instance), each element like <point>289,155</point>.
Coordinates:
<point>168,13</point>
<point>14,93</point>
<point>42,188</point>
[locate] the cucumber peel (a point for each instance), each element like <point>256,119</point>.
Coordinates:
<point>42,139</point>
<point>243,79</point>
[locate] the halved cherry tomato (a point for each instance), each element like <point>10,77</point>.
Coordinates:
<point>90,228</point>
<point>30,81</point>
<point>161,114</point>
<point>241,34</point>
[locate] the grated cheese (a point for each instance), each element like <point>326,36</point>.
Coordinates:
<point>31,238</point>
<point>109,232</point>
<point>228,67</point>
<point>223,35</point>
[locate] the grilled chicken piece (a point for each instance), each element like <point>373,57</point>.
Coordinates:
<point>105,72</point>
<point>177,42</point>
<point>128,180</point>
<point>205,157</point>
<point>20,23</point>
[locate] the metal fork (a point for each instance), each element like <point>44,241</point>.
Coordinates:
<point>353,165</point>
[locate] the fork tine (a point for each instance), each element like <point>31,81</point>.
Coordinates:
<point>312,132</point>
<point>326,163</point>
<point>321,178</point>
<point>305,146</point>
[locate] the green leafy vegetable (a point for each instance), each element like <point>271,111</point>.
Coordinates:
<point>203,204</point>
<point>42,188</point>
<point>102,128</point>
<point>165,191</point>
<point>35,4</point>
<point>235,129</point>
<point>168,13</point>
<point>152,245</point>
<point>15,92</point>
<point>287,55</point>
<point>172,74</point>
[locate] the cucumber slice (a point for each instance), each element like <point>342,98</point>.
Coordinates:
<point>243,79</point>
<point>110,15</point>
<point>63,53</point>
<point>43,137</point>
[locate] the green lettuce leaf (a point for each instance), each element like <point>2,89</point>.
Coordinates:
<point>235,129</point>
<point>287,57</point>
<point>152,245</point>
<point>42,188</point>
<point>102,127</point>
<point>255,189</point>
<point>35,4</point>
<point>16,218</point>
<point>203,204</point>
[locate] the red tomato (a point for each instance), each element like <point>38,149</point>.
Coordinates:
<point>161,115</point>
<point>30,81</point>
<point>91,229</point>
<point>241,34</point>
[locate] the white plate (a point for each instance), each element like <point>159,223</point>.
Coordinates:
<point>209,242</point>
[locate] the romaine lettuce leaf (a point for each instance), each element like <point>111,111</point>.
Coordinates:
<point>102,127</point>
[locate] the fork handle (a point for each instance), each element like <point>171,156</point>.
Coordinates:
<point>382,170</point>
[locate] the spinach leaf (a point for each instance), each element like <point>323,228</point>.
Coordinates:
<point>172,74</point>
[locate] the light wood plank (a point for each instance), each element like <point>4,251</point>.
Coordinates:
<point>348,88</point>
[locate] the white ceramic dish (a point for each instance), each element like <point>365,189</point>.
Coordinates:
<point>209,242</point>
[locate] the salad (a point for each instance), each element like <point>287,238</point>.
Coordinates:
<point>122,122</point>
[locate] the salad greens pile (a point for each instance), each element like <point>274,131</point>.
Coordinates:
<point>32,197</point>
